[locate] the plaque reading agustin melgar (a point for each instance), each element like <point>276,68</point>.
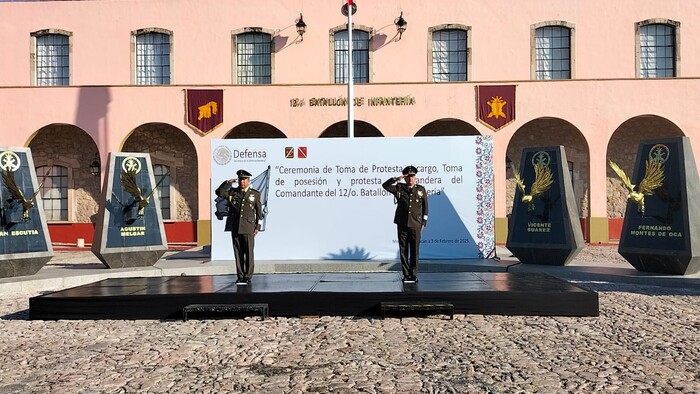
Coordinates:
<point>25,245</point>
<point>544,226</point>
<point>660,232</point>
<point>129,231</point>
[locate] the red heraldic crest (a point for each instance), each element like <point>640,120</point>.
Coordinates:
<point>496,105</point>
<point>289,152</point>
<point>301,152</point>
<point>205,109</point>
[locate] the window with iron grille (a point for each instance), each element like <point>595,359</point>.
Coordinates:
<point>449,55</point>
<point>360,56</point>
<point>152,59</point>
<point>254,58</point>
<point>657,51</point>
<point>162,172</point>
<point>52,60</point>
<point>54,192</point>
<point>553,52</point>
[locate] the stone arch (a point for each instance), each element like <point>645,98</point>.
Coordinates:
<point>447,127</point>
<point>171,146</point>
<point>622,149</point>
<point>71,147</point>
<point>255,130</point>
<point>548,131</point>
<point>340,129</point>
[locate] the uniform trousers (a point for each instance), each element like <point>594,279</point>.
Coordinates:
<point>409,242</point>
<point>243,245</point>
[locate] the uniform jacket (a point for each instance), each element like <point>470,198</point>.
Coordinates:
<point>411,205</point>
<point>244,208</point>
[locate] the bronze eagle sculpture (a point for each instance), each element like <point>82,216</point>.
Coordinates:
<point>653,179</point>
<point>542,183</point>
<point>128,181</point>
<point>8,177</point>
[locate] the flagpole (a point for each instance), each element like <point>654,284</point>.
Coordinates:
<point>351,91</point>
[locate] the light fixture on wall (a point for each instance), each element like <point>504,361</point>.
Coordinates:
<point>349,5</point>
<point>400,23</point>
<point>301,26</point>
<point>95,165</point>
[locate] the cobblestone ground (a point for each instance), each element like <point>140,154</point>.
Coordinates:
<point>645,341</point>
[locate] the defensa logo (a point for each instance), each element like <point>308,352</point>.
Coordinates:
<point>222,155</point>
<point>247,154</point>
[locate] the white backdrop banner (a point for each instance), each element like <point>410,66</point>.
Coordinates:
<point>325,198</point>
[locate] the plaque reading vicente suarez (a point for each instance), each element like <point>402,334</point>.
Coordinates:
<point>25,245</point>
<point>544,226</point>
<point>129,231</point>
<point>660,231</point>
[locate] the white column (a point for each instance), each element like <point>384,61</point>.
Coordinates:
<point>351,91</point>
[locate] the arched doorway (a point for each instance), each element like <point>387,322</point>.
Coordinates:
<point>447,127</point>
<point>174,158</point>
<point>255,130</point>
<point>70,193</point>
<point>340,129</point>
<point>622,149</point>
<point>545,132</point>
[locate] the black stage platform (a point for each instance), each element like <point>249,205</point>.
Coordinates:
<point>319,294</point>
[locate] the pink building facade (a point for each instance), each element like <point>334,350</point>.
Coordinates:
<point>81,79</point>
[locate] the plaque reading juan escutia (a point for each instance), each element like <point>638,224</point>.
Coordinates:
<point>129,230</point>
<point>660,232</point>
<point>25,245</point>
<point>544,226</point>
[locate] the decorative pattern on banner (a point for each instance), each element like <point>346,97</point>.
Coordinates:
<point>205,109</point>
<point>485,216</point>
<point>496,105</point>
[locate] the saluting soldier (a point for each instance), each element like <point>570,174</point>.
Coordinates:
<point>411,217</point>
<point>244,221</point>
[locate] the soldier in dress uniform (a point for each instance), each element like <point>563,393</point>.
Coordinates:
<point>410,218</point>
<point>244,220</point>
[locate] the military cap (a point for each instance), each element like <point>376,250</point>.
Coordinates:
<point>242,174</point>
<point>410,170</point>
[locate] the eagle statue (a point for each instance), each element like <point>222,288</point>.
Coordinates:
<point>16,195</point>
<point>653,179</point>
<point>128,181</point>
<point>543,181</point>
